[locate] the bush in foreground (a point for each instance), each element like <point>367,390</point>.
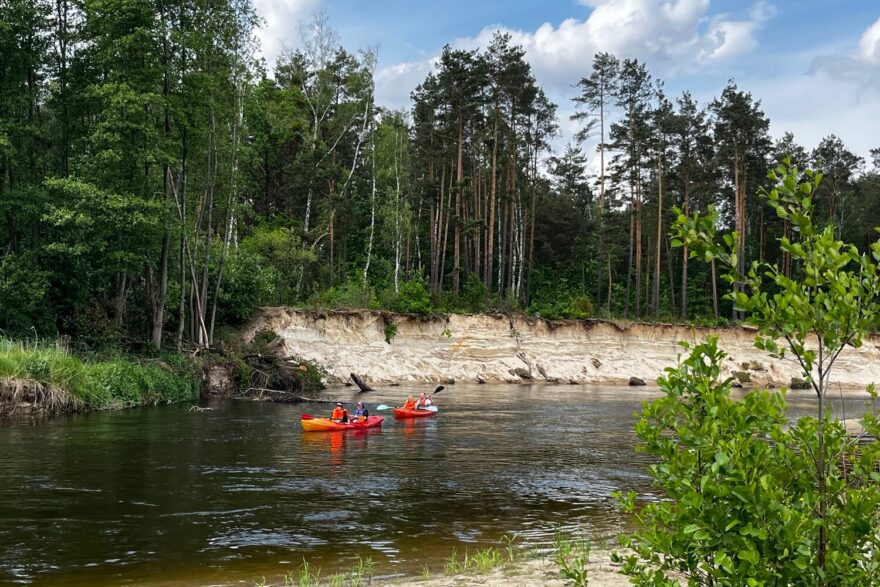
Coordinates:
<point>750,499</point>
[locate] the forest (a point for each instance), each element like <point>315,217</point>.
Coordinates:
<point>158,183</point>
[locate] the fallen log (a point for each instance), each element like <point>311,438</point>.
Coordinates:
<point>360,383</point>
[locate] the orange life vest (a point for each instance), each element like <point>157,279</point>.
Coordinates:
<point>338,414</point>
<point>410,404</point>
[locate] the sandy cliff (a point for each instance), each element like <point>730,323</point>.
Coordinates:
<point>497,348</point>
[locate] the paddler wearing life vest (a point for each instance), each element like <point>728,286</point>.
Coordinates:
<point>410,403</point>
<point>340,414</point>
<point>424,402</point>
<point>360,413</point>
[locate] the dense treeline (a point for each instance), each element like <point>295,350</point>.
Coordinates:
<point>156,183</point>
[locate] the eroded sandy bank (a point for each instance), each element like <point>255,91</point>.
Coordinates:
<point>499,348</point>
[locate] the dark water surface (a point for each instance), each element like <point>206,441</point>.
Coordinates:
<point>160,496</point>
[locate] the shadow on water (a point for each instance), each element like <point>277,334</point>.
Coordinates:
<point>159,496</point>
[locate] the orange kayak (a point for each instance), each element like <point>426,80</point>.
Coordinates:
<point>312,424</point>
<point>403,413</point>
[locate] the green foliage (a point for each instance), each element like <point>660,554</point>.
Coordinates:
<point>352,294</point>
<point>556,300</point>
<point>248,283</point>
<point>113,382</point>
<point>24,289</point>
<point>361,572</point>
<point>740,488</point>
<point>572,556</point>
<point>311,374</point>
<point>278,255</point>
<point>751,500</point>
<point>413,298</point>
<point>262,339</point>
<point>481,562</point>
<point>309,575</point>
<point>474,296</point>
<point>390,331</point>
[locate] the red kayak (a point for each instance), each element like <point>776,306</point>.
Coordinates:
<point>403,413</point>
<point>312,424</point>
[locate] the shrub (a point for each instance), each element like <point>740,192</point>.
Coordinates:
<point>413,298</point>
<point>390,332</point>
<point>751,500</point>
<point>474,294</point>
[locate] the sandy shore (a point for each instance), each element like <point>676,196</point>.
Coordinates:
<point>526,573</point>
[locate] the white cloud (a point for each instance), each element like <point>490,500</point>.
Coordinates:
<point>395,82</point>
<point>675,33</point>
<point>862,69</point>
<point>728,39</point>
<point>671,35</point>
<point>869,45</point>
<point>811,109</point>
<point>281,23</point>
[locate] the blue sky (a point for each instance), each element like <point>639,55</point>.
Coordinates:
<point>814,64</point>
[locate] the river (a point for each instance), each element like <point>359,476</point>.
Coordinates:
<point>162,496</point>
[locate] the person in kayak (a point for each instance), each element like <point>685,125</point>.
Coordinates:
<point>360,413</point>
<point>410,403</point>
<point>424,402</point>
<point>340,414</point>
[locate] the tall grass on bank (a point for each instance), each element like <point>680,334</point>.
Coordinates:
<point>115,382</point>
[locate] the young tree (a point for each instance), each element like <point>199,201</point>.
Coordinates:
<point>755,501</point>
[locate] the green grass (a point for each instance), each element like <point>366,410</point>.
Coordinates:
<point>114,382</point>
<point>481,562</point>
<point>572,556</point>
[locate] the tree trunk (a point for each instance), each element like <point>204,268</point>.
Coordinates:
<point>490,240</point>
<point>684,257</point>
<point>714,290</point>
<point>459,180</point>
<point>629,264</point>
<point>373,216</point>
<point>655,292</point>
<point>534,210</point>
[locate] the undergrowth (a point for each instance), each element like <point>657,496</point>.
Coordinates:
<point>111,382</point>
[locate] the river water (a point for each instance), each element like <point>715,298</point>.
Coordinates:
<point>162,496</point>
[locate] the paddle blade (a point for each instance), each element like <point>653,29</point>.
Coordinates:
<point>439,389</point>
<point>432,408</point>
<point>381,407</point>
<point>307,417</point>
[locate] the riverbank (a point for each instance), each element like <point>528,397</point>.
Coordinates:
<point>385,347</point>
<point>46,378</point>
<point>600,572</point>
<point>534,573</point>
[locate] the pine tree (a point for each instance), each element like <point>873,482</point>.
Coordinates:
<point>740,129</point>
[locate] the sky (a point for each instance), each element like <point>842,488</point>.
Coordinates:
<point>813,64</point>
